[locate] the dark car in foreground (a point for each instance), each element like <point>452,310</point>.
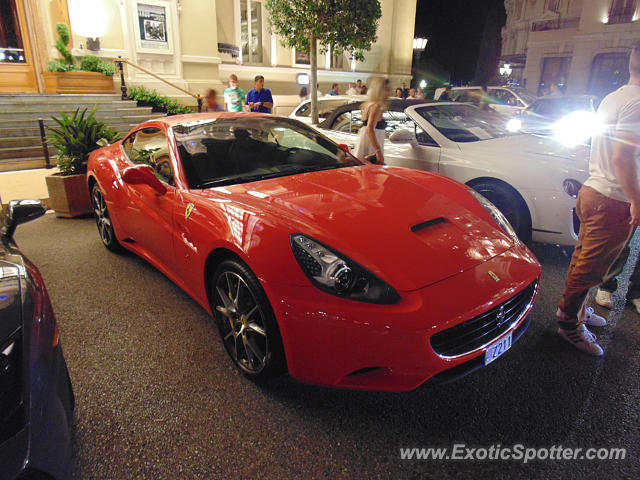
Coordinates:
<point>36,396</point>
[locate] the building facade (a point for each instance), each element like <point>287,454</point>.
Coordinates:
<point>583,45</point>
<point>196,44</point>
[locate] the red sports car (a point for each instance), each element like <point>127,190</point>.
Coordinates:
<point>340,272</point>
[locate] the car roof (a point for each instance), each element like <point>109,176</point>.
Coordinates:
<point>395,105</point>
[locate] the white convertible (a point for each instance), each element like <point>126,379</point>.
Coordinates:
<point>533,180</point>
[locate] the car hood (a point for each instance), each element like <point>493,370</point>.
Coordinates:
<point>367,213</point>
<point>538,152</point>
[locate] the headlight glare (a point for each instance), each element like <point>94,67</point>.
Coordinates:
<point>337,274</point>
<point>496,214</point>
<point>576,127</point>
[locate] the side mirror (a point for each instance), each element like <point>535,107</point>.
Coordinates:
<point>143,175</point>
<point>344,147</point>
<point>403,136</point>
<point>21,211</point>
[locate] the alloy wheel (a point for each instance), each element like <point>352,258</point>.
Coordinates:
<point>241,323</point>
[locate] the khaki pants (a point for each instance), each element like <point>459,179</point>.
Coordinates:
<point>604,230</point>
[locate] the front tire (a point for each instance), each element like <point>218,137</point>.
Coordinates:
<point>103,220</point>
<point>510,203</point>
<point>246,322</point>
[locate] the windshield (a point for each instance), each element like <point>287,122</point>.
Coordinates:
<point>325,107</point>
<point>226,151</point>
<point>525,95</point>
<point>464,123</point>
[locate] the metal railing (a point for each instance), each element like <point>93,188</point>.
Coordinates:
<point>123,87</point>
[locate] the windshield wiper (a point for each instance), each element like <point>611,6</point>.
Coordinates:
<point>233,179</point>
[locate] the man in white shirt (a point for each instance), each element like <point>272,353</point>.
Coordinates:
<point>608,207</point>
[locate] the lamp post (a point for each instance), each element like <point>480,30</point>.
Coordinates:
<point>419,44</point>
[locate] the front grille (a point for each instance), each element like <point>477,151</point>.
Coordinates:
<point>483,329</point>
<point>11,404</point>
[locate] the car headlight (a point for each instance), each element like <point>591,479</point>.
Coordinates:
<point>334,273</point>
<point>496,214</point>
<point>514,125</point>
<point>577,127</point>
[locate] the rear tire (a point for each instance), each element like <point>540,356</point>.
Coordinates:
<point>103,220</point>
<point>246,322</point>
<point>510,203</point>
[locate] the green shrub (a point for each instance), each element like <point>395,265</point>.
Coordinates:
<point>166,104</point>
<point>63,40</point>
<point>78,135</point>
<point>59,66</point>
<point>91,63</point>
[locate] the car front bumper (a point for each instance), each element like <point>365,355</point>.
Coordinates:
<point>342,343</point>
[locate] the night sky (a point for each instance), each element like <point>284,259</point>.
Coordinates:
<point>454,29</point>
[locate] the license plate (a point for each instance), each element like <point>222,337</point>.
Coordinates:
<point>496,349</point>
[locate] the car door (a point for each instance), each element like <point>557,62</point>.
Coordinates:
<point>424,154</point>
<point>149,221</point>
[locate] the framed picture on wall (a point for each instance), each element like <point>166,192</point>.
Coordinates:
<point>152,25</point>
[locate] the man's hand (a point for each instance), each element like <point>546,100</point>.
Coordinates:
<point>635,214</point>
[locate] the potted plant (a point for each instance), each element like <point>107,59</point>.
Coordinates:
<point>93,75</point>
<point>75,138</point>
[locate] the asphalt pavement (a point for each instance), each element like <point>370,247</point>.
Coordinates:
<point>158,398</point>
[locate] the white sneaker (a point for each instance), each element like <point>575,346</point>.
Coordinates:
<point>636,303</point>
<point>582,339</point>
<point>590,318</point>
<point>603,298</point>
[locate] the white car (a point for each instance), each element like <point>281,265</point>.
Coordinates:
<point>534,181</point>
<point>326,105</point>
<point>507,100</point>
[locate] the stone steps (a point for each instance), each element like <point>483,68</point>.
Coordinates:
<point>20,144</point>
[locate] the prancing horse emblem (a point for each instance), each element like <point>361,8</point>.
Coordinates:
<point>188,211</point>
<point>501,318</point>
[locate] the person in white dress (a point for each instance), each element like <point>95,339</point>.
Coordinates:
<point>373,131</point>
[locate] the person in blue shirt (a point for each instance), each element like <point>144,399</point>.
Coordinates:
<point>335,89</point>
<point>259,99</point>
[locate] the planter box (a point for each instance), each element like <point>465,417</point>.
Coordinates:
<point>69,195</point>
<point>77,82</point>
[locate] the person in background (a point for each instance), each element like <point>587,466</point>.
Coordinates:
<point>608,207</point>
<point>554,90</point>
<point>212,102</point>
<point>335,90</point>
<point>352,89</point>
<point>398,92</point>
<point>373,131</point>
<point>259,99</point>
<point>447,95</point>
<point>419,93</point>
<point>359,87</point>
<point>412,93</point>
<point>304,94</point>
<point>363,90</point>
<point>405,90</point>
<point>233,96</point>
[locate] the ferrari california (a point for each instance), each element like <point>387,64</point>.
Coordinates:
<point>340,272</point>
<point>36,397</point>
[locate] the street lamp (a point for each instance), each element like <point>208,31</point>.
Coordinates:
<point>419,43</point>
<point>506,69</point>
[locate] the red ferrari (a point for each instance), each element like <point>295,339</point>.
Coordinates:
<point>340,272</point>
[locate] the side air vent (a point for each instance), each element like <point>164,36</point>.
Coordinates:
<point>428,223</point>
